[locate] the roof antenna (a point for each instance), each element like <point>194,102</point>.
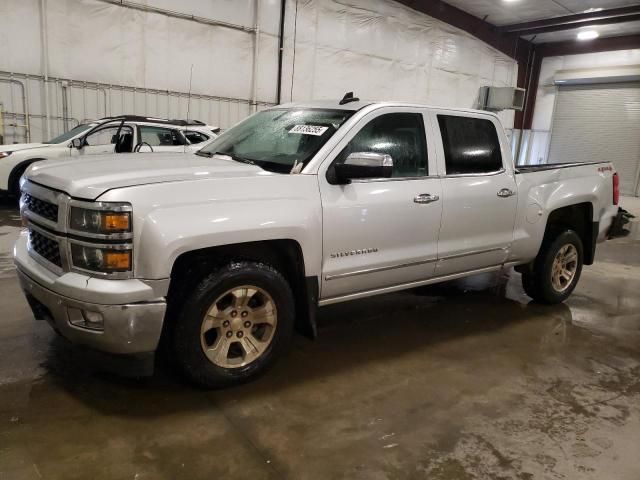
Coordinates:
<point>188,106</point>
<point>348,98</point>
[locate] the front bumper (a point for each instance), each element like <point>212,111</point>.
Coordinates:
<point>133,318</point>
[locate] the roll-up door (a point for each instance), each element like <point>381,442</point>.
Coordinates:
<point>599,122</point>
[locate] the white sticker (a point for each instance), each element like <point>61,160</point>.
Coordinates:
<point>309,130</point>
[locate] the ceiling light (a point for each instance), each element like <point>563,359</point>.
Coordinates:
<point>588,35</point>
<point>592,10</point>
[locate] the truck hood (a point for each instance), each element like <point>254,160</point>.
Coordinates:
<point>14,147</point>
<point>90,178</point>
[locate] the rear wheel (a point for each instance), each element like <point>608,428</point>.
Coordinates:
<point>556,269</point>
<point>234,325</point>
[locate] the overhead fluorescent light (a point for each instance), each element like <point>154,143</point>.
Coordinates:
<point>588,35</point>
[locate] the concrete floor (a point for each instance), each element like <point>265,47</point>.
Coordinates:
<point>467,381</point>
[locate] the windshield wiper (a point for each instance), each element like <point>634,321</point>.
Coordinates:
<point>202,153</point>
<point>235,157</point>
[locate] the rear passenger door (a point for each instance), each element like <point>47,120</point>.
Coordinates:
<point>161,139</point>
<point>478,191</point>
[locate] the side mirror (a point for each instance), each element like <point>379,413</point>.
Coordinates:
<point>77,143</point>
<point>364,165</point>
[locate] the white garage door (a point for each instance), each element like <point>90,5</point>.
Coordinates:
<point>599,122</point>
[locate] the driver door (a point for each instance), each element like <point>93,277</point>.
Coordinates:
<point>382,232</point>
<point>108,139</point>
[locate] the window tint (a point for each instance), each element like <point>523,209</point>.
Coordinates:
<point>160,137</point>
<point>400,135</point>
<point>195,137</point>
<point>470,145</point>
<point>107,136</point>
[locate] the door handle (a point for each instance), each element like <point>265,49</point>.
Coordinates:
<point>505,192</point>
<point>426,198</point>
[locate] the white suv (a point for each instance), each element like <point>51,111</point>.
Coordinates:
<point>123,134</point>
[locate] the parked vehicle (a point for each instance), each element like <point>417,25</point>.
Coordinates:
<point>299,206</point>
<point>124,134</point>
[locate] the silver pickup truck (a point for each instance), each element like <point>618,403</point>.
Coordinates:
<point>222,253</point>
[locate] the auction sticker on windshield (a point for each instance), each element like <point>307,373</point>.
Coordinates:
<point>309,130</point>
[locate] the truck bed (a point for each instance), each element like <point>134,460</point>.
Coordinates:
<point>552,166</point>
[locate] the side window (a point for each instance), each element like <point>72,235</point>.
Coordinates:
<point>195,137</point>
<point>160,137</point>
<point>400,135</point>
<point>470,145</point>
<point>104,136</point>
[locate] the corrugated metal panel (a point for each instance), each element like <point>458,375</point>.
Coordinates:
<point>599,122</point>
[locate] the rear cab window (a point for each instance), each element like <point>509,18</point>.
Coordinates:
<point>471,145</point>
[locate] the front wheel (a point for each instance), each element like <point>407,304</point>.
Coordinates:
<point>234,325</point>
<point>556,269</point>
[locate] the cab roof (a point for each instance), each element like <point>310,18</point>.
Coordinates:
<point>360,104</point>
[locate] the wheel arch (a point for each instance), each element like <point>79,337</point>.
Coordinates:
<point>17,171</point>
<point>577,217</point>
<point>285,255</point>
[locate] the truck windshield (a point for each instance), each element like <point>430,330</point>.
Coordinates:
<point>70,134</point>
<point>279,139</point>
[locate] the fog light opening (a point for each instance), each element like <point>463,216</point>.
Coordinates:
<point>93,320</point>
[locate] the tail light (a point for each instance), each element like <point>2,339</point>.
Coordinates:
<point>616,189</point>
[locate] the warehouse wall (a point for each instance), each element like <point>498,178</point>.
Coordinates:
<point>106,59</point>
<point>536,150</point>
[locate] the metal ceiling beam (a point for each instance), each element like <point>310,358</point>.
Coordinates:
<point>573,47</point>
<point>508,43</point>
<point>564,22</point>
<point>588,23</point>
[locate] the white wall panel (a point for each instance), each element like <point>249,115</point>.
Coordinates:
<point>381,49</point>
<point>378,48</point>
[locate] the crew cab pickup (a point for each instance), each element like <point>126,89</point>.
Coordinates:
<point>224,252</point>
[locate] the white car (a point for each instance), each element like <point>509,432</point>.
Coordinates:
<point>124,134</point>
<point>299,206</point>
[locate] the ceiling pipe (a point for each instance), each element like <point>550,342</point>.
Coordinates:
<point>256,52</point>
<point>44,35</point>
<point>25,104</point>
<point>283,6</point>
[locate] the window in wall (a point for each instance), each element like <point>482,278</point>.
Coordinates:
<point>400,135</point>
<point>470,145</point>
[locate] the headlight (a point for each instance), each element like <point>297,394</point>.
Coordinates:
<point>102,222</point>
<point>4,154</point>
<point>101,259</point>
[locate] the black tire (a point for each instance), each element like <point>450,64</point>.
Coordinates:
<point>538,283</point>
<point>186,335</point>
<point>14,186</point>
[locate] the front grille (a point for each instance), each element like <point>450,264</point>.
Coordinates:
<point>45,247</point>
<point>42,208</point>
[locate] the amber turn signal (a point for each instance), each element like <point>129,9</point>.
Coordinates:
<point>118,222</point>
<point>117,260</point>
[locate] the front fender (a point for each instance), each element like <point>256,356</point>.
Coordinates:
<point>174,218</point>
